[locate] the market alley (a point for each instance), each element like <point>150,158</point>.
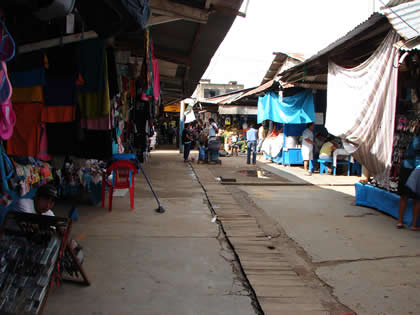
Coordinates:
<point>143,262</point>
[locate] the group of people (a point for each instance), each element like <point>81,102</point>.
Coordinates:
<point>323,147</point>
<point>198,132</point>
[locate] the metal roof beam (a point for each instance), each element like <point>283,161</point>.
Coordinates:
<point>156,20</point>
<point>184,12</point>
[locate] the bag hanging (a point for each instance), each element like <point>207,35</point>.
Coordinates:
<point>7,44</point>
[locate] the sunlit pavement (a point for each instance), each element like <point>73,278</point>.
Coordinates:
<point>143,262</point>
<point>355,252</point>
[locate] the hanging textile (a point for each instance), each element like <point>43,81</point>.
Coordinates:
<point>361,106</point>
<point>28,78</point>
<point>26,136</point>
<point>296,109</point>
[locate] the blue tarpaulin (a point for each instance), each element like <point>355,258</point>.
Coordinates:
<point>296,109</point>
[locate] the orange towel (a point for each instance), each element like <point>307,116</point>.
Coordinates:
<point>58,114</point>
<point>24,95</point>
<point>26,134</point>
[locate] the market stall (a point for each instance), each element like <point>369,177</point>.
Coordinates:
<point>294,112</point>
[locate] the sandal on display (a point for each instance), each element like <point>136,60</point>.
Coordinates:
<point>399,226</point>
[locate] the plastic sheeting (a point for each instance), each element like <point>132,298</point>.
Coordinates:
<point>296,109</point>
<point>361,106</point>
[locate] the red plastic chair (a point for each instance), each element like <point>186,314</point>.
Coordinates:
<point>122,178</point>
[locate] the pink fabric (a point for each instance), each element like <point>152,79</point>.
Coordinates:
<point>96,124</point>
<point>43,145</point>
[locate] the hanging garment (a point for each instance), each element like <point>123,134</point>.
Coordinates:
<point>94,105</point>
<point>26,135</point>
<point>25,95</point>
<point>92,66</point>
<point>112,73</point>
<point>361,106</point>
<point>28,78</point>
<point>60,91</point>
<point>58,114</point>
<point>96,124</point>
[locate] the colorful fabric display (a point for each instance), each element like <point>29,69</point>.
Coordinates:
<point>60,91</point>
<point>25,95</point>
<point>28,78</point>
<point>92,66</point>
<point>96,124</point>
<point>25,139</point>
<point>58,114</point>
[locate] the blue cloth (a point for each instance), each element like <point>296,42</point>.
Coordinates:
<point>251,146</point>
<point>412,155</point>
<point>251,135</point>
<point>27,78</point>
<point>296,109</point>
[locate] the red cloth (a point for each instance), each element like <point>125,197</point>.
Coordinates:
<point>58,114</point>
<point>26,135</point>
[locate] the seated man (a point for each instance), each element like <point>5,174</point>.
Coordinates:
<point>326,152</point>
<point>42,203</point>
<point>241,143</point>
<point>234,145</point>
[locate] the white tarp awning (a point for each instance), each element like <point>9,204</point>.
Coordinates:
<point>237,110</point>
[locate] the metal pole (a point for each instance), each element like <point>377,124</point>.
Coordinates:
<point>181,126</point>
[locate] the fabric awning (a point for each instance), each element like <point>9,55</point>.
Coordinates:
<point>237,110</point>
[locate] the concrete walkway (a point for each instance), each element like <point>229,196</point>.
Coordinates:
<point>355,252</point>
<point>142,262</point>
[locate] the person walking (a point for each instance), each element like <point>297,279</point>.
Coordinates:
<point>251,142</point>
<point>308,147</point>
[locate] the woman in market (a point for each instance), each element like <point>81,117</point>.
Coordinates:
<point>308,146</point>
<point>327,150</point>
<point>406,191</point>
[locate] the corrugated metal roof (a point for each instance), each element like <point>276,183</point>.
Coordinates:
<point>281,62</point>
<point>405,18</point>
<point>371,22</point>
<point>237,95</point>
<point>394,3</point>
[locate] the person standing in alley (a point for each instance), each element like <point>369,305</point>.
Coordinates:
<point>213,130</point>
<point>308,147</point>
<point>408,165</point>
<point>251,143</point>
<point>261,137</point>
<point>187,139</point>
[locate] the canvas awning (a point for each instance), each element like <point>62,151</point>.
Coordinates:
<point>237,110</point>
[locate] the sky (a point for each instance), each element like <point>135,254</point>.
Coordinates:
<point>288,26</point>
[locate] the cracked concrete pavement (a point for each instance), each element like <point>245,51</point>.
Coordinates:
<point>357,253</point>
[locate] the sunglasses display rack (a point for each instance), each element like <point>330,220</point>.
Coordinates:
<point>30,246</point>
